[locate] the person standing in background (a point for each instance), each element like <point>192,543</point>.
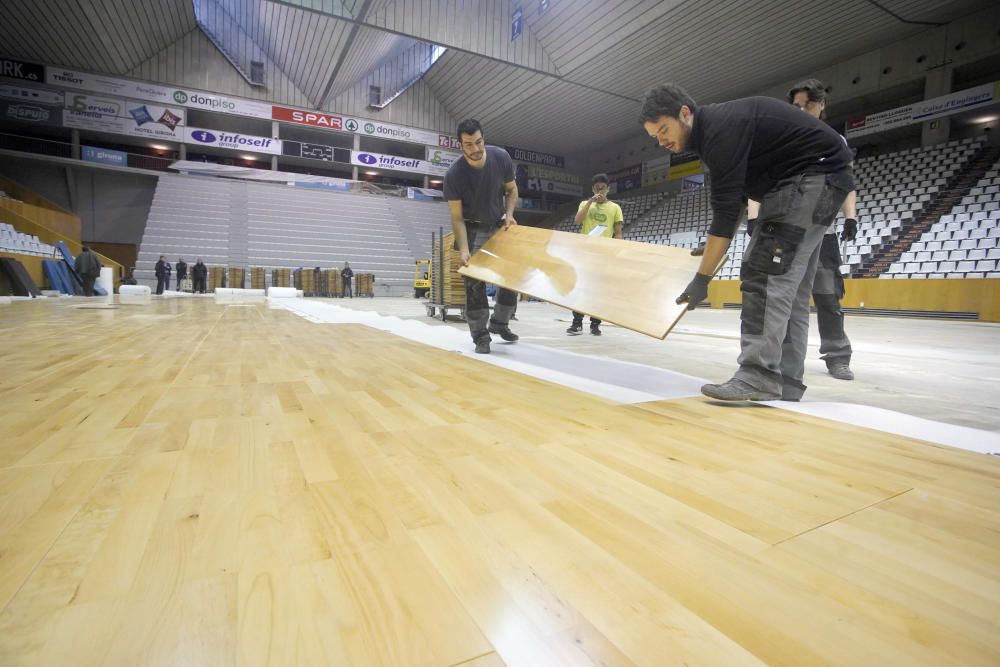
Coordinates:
<point>182,272</point>
<point>88,267</point>
<point>200,275</point>
<point>346,275</point>
<point>595,212</point>
<point>162,272</point>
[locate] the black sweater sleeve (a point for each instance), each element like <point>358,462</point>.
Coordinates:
<point>726,153</point>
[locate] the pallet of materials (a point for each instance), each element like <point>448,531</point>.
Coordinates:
<point>306,281</point>
<point>364,284</point>
<point>330,282</point>
<point>216,278</point>
<point>257,277</point>
<point>236,277</point>
<point>447,286</point>
<point>281,277</point>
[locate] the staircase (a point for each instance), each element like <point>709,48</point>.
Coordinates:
<point>940,205</point>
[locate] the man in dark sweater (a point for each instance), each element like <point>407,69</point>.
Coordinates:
<point>346,274</point>
<point>162,271</point>
<point>481,192</point>
<point>799,169</point>
<point>182,272</point>
<point>88,267</point>
<point>199,277</point>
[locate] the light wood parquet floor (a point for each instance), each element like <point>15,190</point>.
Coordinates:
<point>187,483</point>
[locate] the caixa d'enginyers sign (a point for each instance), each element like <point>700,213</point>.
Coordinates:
<point>232,141</point>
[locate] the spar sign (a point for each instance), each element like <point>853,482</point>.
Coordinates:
<point>314,118</point>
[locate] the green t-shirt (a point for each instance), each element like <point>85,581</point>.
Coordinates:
<point>607,214</point>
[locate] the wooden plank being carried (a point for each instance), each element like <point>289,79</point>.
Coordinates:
<point>631,284</point>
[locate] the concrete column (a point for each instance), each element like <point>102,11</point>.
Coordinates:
<point>357,147</point>
<point>182,153</point>
<point>427,182</point>
<point>75,134</point>
<point>275,134</point>
<point>937,83</point>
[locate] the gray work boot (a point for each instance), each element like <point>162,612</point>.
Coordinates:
<point>840,370</point>
<point>503,331</point>
<point>483,346</point>
<point>737,390</point>
<point>575,329</point>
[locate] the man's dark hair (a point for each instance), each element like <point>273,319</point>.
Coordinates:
<point>813,88</point>
<point>468,126</point>
<point>599,178</point>
<point>665,100</point>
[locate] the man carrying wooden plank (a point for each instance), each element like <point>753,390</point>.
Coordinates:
<point>481,192</point>
<point>799,169</point>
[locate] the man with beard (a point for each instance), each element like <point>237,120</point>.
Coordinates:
<point>481,192</point>
<point>799,169</point>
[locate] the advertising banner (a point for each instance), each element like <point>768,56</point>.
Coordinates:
<point>939,107</point>
<point>371,128</point>
<point>232,141</point>
<point>685,169</point>
<point>91,104</point>
<point>37,95</point>
<point>314,118</point>
<point>31,113</point>
<point>139,119</point>
<point>104,156</point>
<point>395,163</point>
<point>442,158</point>
<point>556,187</point>
<point>655,171</point>
<point>221,104</point>
<point>524,155</point>
<point>19,69</point>
<point>626,178</point>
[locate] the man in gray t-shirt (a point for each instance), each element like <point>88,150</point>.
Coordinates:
<point>481,192</point>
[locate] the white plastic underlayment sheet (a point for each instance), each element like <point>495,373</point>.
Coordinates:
<point>627,382</point>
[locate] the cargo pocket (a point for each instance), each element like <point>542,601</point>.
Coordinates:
<point>829,253</point>
<point>774,249</point>
<point>831,198</point>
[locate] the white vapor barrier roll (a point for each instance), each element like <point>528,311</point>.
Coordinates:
<point>283,292</point>
<point>233,293</point>
<point>107,280</point>
<point>134,290</point>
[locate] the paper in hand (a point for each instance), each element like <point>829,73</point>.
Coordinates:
<point>598,230</point>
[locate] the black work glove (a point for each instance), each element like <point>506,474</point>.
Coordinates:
<point>750,225</point>
<point>850,230</point>
<point>696,291</point>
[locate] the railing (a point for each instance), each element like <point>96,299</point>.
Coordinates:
<point>58,148</point>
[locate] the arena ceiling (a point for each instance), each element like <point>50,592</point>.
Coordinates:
<point>572,80</point>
